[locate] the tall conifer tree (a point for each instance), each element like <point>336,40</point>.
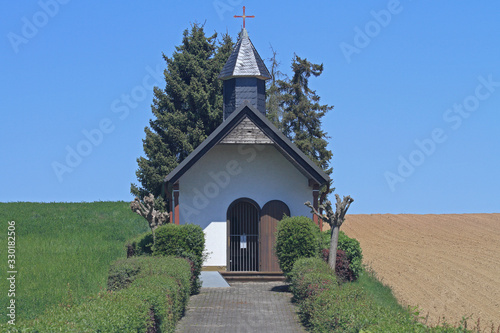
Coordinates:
<point>186,111</point>
<point>300,114</point>
<point>274,112</point>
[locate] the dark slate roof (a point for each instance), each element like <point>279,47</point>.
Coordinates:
<point>245,61</point>
<point>282,143</point>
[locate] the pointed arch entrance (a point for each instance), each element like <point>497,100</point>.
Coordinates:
<point>243,235</point>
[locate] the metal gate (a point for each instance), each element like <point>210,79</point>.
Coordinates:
<point>243,220</point>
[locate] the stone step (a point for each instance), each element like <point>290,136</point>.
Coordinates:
<point>252,276</point>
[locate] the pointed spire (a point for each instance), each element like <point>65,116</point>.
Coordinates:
<point>244,61</point>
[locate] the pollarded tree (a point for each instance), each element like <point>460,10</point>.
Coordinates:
<point>335,220</point>
<point>186,111</point>
<point>147,210</point>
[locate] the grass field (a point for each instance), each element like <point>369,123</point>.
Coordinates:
<point>63,250</point>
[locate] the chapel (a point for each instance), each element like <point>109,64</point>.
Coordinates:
<point>245,176</point>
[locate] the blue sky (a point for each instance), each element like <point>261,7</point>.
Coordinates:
<point>415,85</point>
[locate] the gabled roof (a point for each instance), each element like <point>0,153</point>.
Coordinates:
<point>282,143</point>
<point>245,61</point>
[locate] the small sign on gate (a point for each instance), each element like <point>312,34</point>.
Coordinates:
<point>243,241</point>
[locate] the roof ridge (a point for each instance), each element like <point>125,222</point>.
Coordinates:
<point>281,142</point>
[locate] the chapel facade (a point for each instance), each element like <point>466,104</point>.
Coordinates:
<point>245,176</point>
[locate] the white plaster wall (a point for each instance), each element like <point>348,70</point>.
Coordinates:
<point>230,172</point>
<point>215,244</point>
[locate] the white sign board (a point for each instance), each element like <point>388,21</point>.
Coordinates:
<point>243,241</point>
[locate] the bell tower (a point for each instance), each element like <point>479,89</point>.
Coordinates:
<point>244,76</point>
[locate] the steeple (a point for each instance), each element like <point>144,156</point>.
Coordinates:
<point>244,76</point>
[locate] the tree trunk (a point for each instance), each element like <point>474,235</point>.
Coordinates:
<point>333,247</point>
<point>154,238</point>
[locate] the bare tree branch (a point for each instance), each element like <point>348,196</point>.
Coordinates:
<point>155,218</point>
<point>334,219</point>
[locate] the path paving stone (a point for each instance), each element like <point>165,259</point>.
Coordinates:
<point>244,307</point>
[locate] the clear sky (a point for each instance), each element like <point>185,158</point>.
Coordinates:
<point>415,85</point>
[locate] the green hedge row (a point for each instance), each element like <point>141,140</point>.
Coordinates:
<point>187,241</point>
<point>327,306</point>
<point>299,237</point>
<point>140,245</point>
<point>147,294</point>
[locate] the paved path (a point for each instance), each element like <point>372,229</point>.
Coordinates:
<point>213,280</point>
<point>244,307</point>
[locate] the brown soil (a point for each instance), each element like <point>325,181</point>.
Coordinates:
<point>447,265</point>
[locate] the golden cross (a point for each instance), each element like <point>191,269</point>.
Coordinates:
<point>244,17</point>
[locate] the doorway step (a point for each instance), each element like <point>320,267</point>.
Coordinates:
<point>252,276</point>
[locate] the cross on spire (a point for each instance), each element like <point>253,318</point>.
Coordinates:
<point>244,17</point>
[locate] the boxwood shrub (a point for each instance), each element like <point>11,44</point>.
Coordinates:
<point>309,276</point>
<point>350,246</point>
<point>140,245</point>
<point>296,237</point>
<point>172,239</point>
<point>327,306</point>
<point>188,241</point>
<point>123,272</point>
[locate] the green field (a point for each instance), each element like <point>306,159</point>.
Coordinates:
<point>63,250</point>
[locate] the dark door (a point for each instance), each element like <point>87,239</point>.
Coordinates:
<point>271,214</point>
<point>243,242</point>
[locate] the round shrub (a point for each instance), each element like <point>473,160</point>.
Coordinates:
<point>353,253</point>
<point>305,266</point>
<point>296,237</point>
<point>351,248</point>
<point>172,239</point>
<point>187,241</point>
<point>342,268</point>
<point>324,254</point>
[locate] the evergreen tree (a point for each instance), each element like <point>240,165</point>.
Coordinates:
<point>301,115</point>
<point>186,111</point>
<point>274,112</point>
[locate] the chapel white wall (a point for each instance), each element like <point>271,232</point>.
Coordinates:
<point>230,172</point>
<point>215,244</point>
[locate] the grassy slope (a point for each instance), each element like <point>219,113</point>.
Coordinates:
<point>381,293</point>
<point>62,247</point>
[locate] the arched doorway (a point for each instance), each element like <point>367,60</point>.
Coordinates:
<point>243,235</point>
<point>270,215</point>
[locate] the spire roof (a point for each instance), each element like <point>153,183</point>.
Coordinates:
<point>244,61</point>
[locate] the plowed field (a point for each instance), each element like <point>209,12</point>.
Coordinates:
<point>448,265</point>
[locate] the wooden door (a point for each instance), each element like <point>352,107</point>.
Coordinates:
<point>270,215</point>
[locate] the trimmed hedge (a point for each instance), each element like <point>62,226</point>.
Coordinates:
<point>296,237</point>
<point>187,241</point>
<point>172,239</point>
<point>310,276</point>
<point>154,301</point>
<point>123,272</point>
<point>140,245</point>
<point>327,306</point>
